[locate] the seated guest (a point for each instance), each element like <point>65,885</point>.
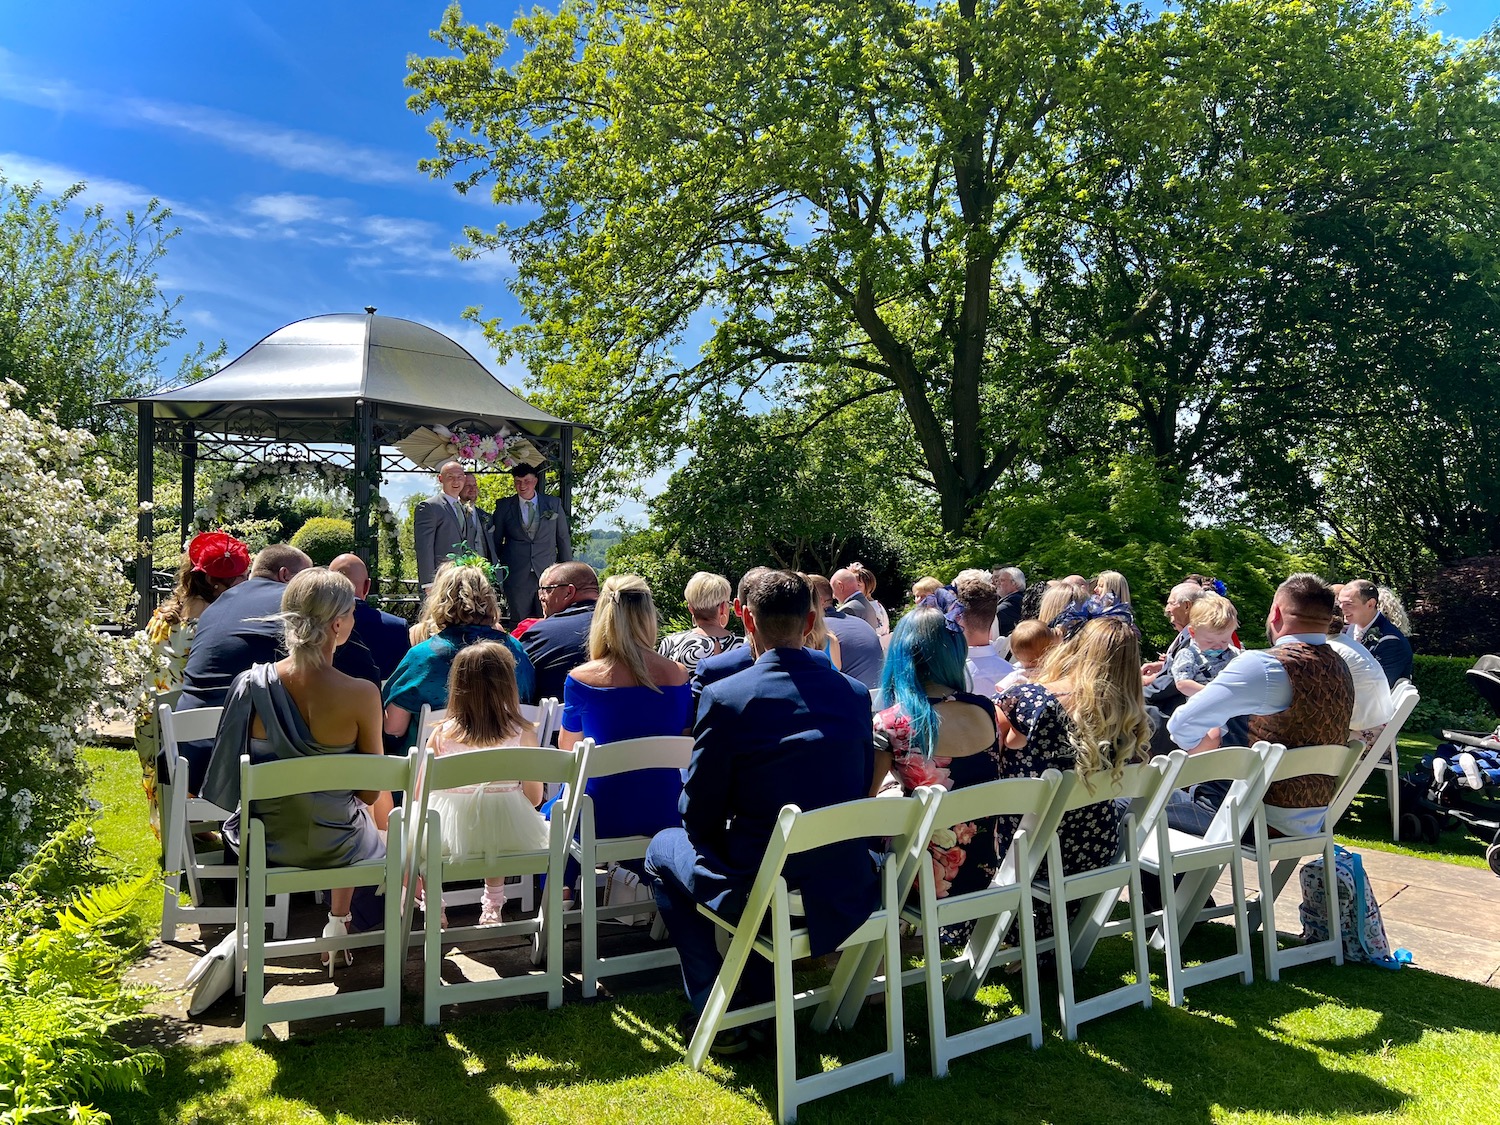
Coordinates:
<point>936,733</point>
<point>559,642</point>
<point>859,651</point>
<point>239,630</point>
<point>303,707</point>
<point>213,563</point>
<point>820,638</point>
<point>1298,693</point>
<point>1111,588</point>
<point>923,588</point>
<point>380,639</point>
<point>1030,642</point>
<point>1010,588</point>
<point>1373,705</point>
<point>1210,645</point>
<point>1060,597</point>
<point>977,600</point>
<point>881,619</point>
<point>627,690</point>
<point>707,596</point>
<point>1085,714</point>
<point>788,730</point>
<point>1366,624</point>
<point>1156,675</point>
<point>1031,600</point>
<point>849,593</point>
<point>711,669</point>
<point>464,610</point>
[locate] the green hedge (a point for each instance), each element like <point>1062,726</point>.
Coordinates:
<point>324,539</point>
<point>1447,698</point>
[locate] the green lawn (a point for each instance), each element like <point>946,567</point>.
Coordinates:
<point>1325,1044</point>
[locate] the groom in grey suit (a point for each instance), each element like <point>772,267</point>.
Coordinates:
<point>445,522</point>
<point>530,533</point>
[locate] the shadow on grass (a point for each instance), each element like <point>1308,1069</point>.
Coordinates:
<point>1318,1043</point>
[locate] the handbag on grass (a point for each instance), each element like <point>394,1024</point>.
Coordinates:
<point>1361,928</point>
<point>213,976</point>
<point>625,886</point>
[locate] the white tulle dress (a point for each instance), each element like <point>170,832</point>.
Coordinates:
<point>492,819</point>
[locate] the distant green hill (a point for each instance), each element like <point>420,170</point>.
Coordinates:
<point>598,542</point>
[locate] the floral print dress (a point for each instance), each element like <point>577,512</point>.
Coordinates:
<point>1089,837</point>
<point>963,856</point>
<point>170,645</point>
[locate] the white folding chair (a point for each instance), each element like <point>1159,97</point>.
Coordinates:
<point>546,930</point>
<point>1200,860</point>
<point>591,852</point>
<point>428,718</point>
<point>1139,784</point>
<point>268,781</point>
<point>1405,697</point>
<point>1276,857</point>
<point>546,716</point>
<point>181,816</point>
<point>901,821</point>
<point>993,909</point>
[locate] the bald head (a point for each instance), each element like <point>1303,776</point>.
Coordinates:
<point>280,561</point>
<point>846,583</point>
<point>353,568</point>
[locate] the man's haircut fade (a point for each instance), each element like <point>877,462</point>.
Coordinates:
<point>1307,596</point>
<point>780,601</point>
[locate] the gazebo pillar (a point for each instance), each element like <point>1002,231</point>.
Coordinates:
<point>189,480</point>
<point>364,443</point>
<point>565,476</point>
<point>145,488</point>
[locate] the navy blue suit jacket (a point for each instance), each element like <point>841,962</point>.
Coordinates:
<point>558,644</point>
<point>789,730</point>
<point>715,668</point>
<point>1389,646</point>
<point>229,639</point>
<point>384,639</point>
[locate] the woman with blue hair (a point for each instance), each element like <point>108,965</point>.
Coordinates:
<point>935,733</point>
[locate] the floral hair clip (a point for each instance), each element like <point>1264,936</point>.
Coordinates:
<point>1075,617</point>
<point>467,556</point>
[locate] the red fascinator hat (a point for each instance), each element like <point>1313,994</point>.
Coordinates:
<point>219,555</point>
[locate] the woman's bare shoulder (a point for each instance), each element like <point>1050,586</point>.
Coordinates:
<point>595,673</point>
<point>666,672</point>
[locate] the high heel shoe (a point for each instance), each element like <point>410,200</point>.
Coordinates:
<point>338,926</point>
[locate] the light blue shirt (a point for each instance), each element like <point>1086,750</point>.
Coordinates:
<point>1253,683</point>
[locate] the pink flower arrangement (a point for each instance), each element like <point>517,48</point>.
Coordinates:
<point>915,770</point>
<point>964,833</point>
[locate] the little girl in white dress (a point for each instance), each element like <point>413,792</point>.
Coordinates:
<point>497,817</point>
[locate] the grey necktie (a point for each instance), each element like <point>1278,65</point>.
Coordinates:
<point>528,514</point>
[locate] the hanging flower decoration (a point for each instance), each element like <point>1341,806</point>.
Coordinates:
<point>430,446</point>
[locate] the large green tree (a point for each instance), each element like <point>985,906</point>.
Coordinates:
<point>832,191</point>
<point>82,316</point>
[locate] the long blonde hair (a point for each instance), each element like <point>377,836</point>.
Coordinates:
<point>1103,664</point>
<point>1057,597</point>
<point>1114,583</point>
<point>624,628</point>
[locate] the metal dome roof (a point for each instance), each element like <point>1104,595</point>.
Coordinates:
<point>318,368</point>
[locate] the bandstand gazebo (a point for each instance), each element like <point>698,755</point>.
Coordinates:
<point>337,389</point>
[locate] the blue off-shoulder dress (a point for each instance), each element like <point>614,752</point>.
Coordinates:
<point>643,802</point>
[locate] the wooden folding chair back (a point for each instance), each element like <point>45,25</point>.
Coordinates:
<point>1381,755</point>
<point>184,867</point>
<point>1276,857</point>
<point>477,767</point>
<point>591,852</point>
<point>268,781</point>
<point>900,821</point>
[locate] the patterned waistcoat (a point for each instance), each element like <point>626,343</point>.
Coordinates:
<point>1322,704</point>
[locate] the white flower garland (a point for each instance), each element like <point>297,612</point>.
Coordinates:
<point>234,496</point>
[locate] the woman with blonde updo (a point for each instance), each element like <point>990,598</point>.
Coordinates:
<point>628,690</point>
<point>303,707</point>
<point>461,610</point>
<point>1059,596</point>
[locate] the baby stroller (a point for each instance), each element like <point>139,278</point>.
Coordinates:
<point>1461,781</point>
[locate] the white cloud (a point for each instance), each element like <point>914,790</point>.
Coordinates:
<point>288,207</point>
<point>114,195</point>
<point>295,149</point>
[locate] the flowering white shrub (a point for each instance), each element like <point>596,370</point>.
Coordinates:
<point>60,572</point>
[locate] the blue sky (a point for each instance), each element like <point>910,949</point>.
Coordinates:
<point>279,135</point>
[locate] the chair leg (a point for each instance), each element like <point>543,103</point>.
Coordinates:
<point>1172,928</point>
<point>589,901</point>
<point>932,970</point>
<point>894,1015</point>
<point>432,933</point>
<point>1062,955</point>
<point>394,944</point>
<point>1268,913</point>
<point>1031,986</point>
<point>1393,794</point>
<point>1330,878</point>
<point>786,1012</point>
<point>1138,939</point>
<point>255,937</point>
<point>1241,921</point>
